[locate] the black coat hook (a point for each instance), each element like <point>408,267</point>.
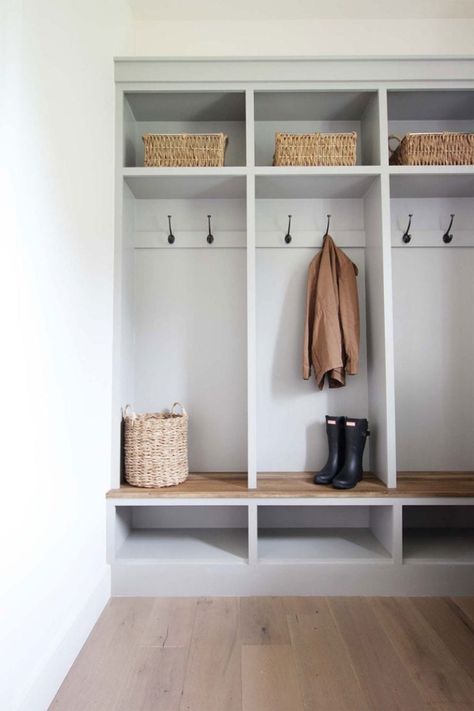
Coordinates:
<point>406,235</point>
<point>327,226</point>
<point>447,238</point>
<point>288,235</point>
<point>210,236</point>
<point>171,237</point>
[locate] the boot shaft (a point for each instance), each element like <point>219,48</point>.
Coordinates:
<point>335,426</point>
<point>335,430</point>
<point>356,432</point>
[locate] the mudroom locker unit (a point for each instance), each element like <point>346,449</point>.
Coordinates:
<point>219,327</point>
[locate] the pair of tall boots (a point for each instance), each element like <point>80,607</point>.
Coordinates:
<point>346,441</point>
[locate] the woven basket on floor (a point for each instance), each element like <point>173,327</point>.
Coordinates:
<point>182,150</point>
<point>155,447</point>
<point>315,149</point>
<point>433,149</point>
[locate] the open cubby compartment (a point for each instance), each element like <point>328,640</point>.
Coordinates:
<point>184,112</point>
<point>433,298</point>
<point>430,110</point>
<point>181,534</point>
<point>322,111</point>
<point>443,534</point>
<point>360,533</point>
<point>182,320</point>
<point>291,434</point>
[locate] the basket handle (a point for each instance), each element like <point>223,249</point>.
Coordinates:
<point>396,138</point>
<point>178,404</point>
<point>128,411</point>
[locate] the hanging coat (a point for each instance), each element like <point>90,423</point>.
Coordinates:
<point>331,334</point>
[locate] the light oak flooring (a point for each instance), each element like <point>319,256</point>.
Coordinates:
<point>276,654</point>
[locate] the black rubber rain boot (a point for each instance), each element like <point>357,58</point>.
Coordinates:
<point>336,440</point>
<point>351,473</point>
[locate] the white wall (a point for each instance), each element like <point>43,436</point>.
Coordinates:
<point>302,9</point>
<point>193,300</point>
<point>56,300</point>
<point>434,351</point>
<point>303,37</point>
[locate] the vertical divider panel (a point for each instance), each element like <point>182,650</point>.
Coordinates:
<point>379,356</point>
<point>382,526</point>
<point>119,520</point>
<point>117,296</point>
<point>379,315</point>
<point>251,338</point>
<point>370,130</point>
<point>251,305</point>
<point>387,336</point>
<point>383,126</point>
<point>110,532</point>
<point>398,533</point>
<point>250,128</point>
<point>253,533</point>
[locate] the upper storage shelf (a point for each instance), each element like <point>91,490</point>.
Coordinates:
<point>184,112</point>
<point>194,183</point>
<point>321,111</point>
<point>432,182</point>
<point>440,106</point>
<point>329,184</point>
<point>432,110</point>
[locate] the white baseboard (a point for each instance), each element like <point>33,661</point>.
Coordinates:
<point>43,689</point>
<point>341,579</point>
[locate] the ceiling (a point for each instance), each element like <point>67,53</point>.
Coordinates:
<point>173,10</point>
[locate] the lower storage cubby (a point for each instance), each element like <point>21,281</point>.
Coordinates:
<point>443,534</point>
<point>180,534</point>
<point>325,533</point>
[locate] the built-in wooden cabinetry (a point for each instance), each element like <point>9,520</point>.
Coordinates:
<point>219,327</point>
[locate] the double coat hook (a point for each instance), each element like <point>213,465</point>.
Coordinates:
<point>447,237</point>
<point>172,238</point>
<point>288,237</point>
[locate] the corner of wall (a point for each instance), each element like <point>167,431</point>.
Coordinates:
<point>53,670</point>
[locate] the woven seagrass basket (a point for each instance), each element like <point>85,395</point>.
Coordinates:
<point>315,148</point>
<point>433,149</point>
<point>182,150</point>
<point>155,447</point>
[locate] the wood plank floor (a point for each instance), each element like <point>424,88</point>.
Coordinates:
<point>300,485</point>
<point>276,654</point>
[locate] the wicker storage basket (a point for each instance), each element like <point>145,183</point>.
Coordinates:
<point>433,149</point>
<point>315,149</point>
<point>181,150</point>
<point>156,447</point>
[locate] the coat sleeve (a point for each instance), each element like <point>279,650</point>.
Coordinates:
<point>309,321</point>
<point>349,315</point>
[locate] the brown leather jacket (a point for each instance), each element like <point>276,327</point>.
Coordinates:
<point>331,335</point>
